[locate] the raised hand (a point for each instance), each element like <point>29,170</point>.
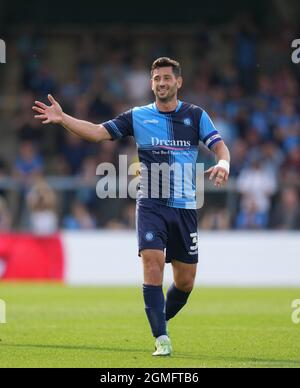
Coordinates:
<point>49,114</point>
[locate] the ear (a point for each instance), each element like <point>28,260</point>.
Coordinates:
<point>179,82</point>
<point>151,84</point>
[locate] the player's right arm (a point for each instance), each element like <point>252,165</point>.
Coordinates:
<point>84,129</point>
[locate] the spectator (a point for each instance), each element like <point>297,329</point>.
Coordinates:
<point>86,194</point>
<point>126,221</point>
<point>28,129</point>
<point>287,212</point>
<point>3,175</point>
<point>79,219</point>
<point>42,204</point>
<point>42,82</point>
<point>5,217</point>
<point>73,151</point>
<point>250,217</point>
<point>137,82</point>
<point>272,157</point>
<point>28,164</point>
<point>290,171</point>
<point>246,53</point>
<point>215,219</point>
<point>256,185</point>
<point>238,157</point>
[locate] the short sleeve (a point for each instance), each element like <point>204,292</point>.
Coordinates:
<point>208,132</point>
<point>121,126</point>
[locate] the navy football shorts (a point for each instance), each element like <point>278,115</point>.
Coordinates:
<point>163,228</point>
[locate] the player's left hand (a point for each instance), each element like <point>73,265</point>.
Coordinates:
<point>220,175</point>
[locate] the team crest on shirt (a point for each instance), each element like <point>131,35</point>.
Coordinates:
<point>187,122</point>
<point>149,236</point>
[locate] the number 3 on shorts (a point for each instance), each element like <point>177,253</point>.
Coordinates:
<point>194,237</point>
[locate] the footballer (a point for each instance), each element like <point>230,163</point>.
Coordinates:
<point>166,131</point>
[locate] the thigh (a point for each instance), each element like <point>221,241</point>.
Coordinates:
<point>183,237</point>
<point>151,228</point>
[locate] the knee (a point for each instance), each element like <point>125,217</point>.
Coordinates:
<point>185,285</point>
<point>184,276</point>
<point>153,275</point>
<point>153,270</point>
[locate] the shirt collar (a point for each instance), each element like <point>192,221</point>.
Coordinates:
<point>179,105</point>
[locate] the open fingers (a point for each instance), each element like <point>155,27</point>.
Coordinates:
<point>209,170</point>
<point>221,177</point>
<point>39,110</point>
<point>41,104</point>
<point>213,173</point>
<point>51,99</point>
<point>219,182</point>
<point>41,117</point>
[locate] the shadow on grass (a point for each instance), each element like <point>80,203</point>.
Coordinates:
<point>261,361</point>
<point>177,356</point>
<point>74,347</point>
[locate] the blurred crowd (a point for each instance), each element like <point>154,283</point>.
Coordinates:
<point>241,75</point>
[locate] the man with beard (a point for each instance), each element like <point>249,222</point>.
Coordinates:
<point>167,132</point>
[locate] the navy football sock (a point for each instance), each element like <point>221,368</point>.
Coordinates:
<point>155,309</point>
<point>176,299</point>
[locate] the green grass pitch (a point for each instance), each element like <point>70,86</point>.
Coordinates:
<point>57,326</point>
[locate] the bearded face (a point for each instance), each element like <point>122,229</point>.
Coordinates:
<point>164,84</point>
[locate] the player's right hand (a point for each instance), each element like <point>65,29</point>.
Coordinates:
<point>49,114</point>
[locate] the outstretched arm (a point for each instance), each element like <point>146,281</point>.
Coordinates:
<point>84,129</point>
<point>221,171</point>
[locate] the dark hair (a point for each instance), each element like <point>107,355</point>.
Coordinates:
<point>167,62</point>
